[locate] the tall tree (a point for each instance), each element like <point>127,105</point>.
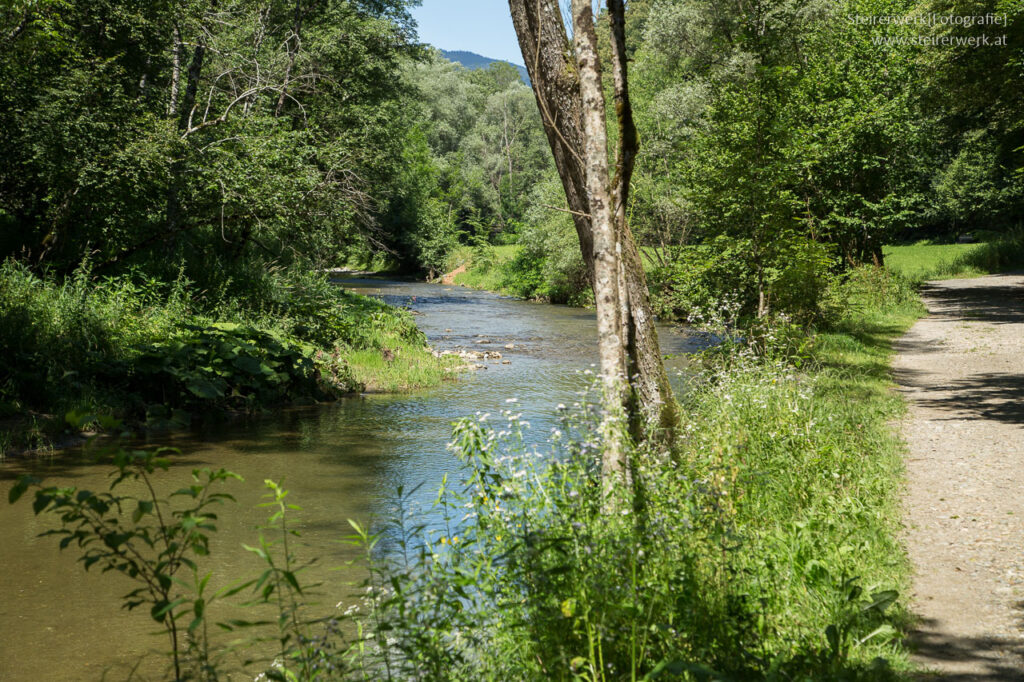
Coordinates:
<point>569,88</point>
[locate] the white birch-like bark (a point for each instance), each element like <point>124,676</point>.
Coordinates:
<point>606,249</point>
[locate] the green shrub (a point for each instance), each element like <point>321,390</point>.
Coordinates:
<point>136,346</point>
<point>700,276</point>
<point>548,265</point>
<point>56,336</point>
<point>870,300</point>
<point>229,365</point>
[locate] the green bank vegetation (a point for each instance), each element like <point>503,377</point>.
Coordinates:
<point>157,354</point>
<point>171,179</point>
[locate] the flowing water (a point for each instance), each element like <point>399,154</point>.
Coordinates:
<point>340,461</point>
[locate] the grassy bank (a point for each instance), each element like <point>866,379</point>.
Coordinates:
<point>157,354</point>
<point>818,473</point>
<point>484,267</point>
<point>926,260</point>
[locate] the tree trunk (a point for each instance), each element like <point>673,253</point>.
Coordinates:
<point>557,85</point>
<point>606,247</point>
<point>172,104</point>
<point>188,103</point>
<point>650,381</point>
<point>195,70</point>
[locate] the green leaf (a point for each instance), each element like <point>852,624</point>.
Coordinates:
<point>290,577</point>
<point>249,365</point>
<point>882,600</point>
<point>162,608</point>
<point>204,388</point>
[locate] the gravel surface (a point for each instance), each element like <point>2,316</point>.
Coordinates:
<point>961,370</point>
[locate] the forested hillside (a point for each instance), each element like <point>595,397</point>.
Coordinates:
<point>472,60</point>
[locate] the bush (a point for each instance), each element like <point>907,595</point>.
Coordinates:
<point>229,365</point>
<point>57,336</point>
<point>700,276</point>
<point>549,265</point>
<point>134,346</point>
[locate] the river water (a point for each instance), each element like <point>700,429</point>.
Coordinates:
<point>341,461</point>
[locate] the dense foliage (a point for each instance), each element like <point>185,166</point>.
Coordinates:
<point>213,135</point>
<point>798,138</point>
<point>171,176</point>
<point>795,135</point>
<point>175,178</point>
<point>783,143</point>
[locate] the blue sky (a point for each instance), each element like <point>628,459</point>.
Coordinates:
<point>481,26</point>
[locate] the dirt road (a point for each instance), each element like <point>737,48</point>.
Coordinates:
<point>962,372</point>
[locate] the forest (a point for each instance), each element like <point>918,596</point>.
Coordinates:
<point>216,211</point>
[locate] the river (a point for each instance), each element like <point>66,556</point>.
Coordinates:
<point>341,461</point>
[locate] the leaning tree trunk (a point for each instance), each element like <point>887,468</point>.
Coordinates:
<point>556,79</point>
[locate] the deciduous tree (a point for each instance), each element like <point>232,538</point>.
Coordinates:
<point>568,84</point>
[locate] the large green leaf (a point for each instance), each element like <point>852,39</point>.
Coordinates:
<point>204,388</point>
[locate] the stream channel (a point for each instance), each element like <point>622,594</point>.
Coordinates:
<point>340,461</point>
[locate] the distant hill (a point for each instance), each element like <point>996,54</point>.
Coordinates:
<point>472,60</point>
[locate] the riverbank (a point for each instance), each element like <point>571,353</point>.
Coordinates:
<point>806,431</point>
<point>788,493</point>
<point>86,354</point>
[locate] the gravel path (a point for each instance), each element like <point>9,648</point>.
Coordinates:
<point>962,372</point>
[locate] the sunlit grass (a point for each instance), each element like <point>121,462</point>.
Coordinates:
<point>925,259</point>
<point>484,266</point>
<point>403,368</point>
<point>818,464</point>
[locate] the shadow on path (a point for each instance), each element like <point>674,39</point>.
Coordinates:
<point>954,369</point>
<point>991,658</point>
<point>996,397</point>
<point>995,303</point>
